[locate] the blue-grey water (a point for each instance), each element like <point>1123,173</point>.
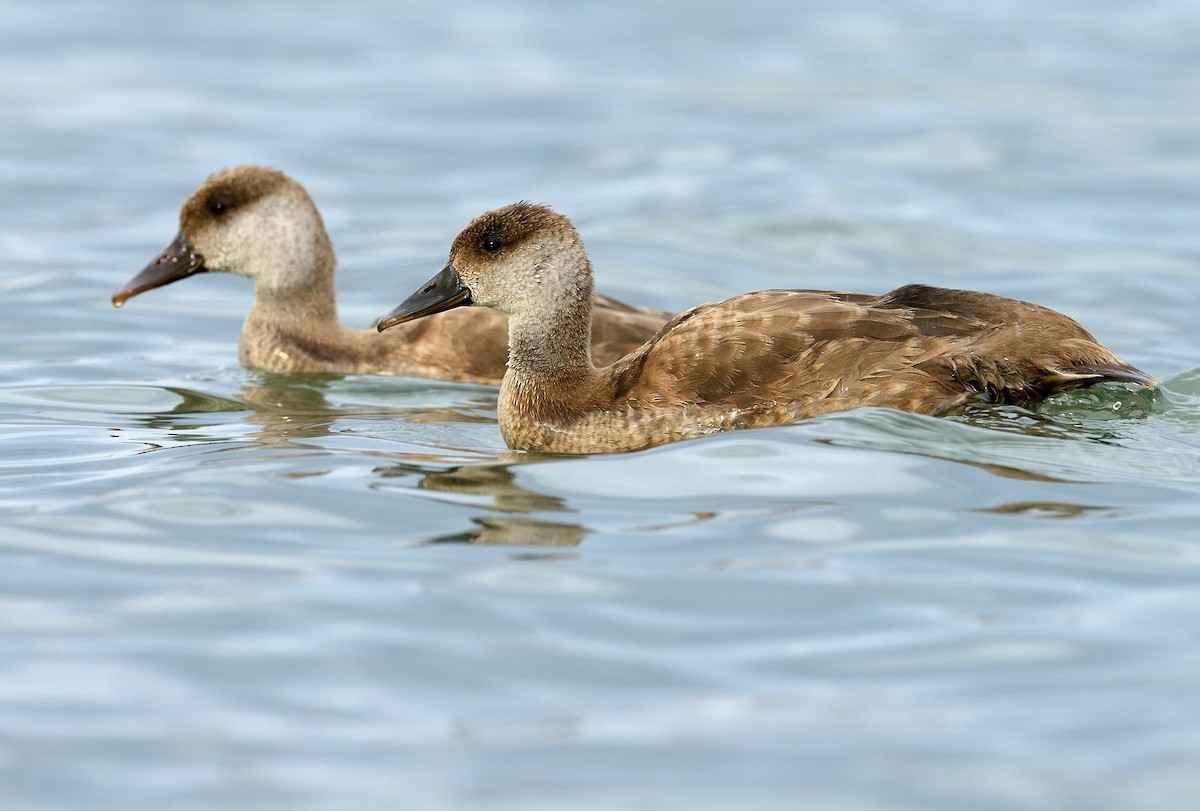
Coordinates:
<point>221,589</point>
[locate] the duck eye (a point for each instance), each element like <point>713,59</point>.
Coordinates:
<point>218,206</point>
<point>492,243</point>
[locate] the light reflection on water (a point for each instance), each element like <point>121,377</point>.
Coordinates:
<point>226,589</point>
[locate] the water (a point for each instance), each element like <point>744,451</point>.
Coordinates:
<point>225,589</point>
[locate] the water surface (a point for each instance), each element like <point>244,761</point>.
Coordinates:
<point>227,589</point>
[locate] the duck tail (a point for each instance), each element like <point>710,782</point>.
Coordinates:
<point>1120,371</point>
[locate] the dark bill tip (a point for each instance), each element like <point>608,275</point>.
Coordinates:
<point>177,261</point>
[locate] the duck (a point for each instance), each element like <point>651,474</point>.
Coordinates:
<point>758,359</point>
<point>258,222</point>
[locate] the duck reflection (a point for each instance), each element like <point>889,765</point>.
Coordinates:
<point>498,485</point>
<point>290,410</point>
<point>1048,509</point>
<point>284,412</point>
<point>278,409</point>
<point>293,411</point>
<point>515,531</point>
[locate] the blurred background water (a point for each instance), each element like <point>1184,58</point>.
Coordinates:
<point>227,589</point>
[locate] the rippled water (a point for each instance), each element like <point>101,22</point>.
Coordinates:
<point>225,589</point>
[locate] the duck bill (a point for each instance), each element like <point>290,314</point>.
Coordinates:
<point>178,261</point>
<point>444,291</point>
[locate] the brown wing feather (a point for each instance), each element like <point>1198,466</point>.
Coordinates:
<point>760,349</point>
<point>917,348</point>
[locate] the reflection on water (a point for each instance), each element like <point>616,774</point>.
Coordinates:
<point>497,483</point>
<point>295,412</point>
<point>495,488</point>
<point>517,531</point>
<point>1048,509</point>
<point>503,493</point>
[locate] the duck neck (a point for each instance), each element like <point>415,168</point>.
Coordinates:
<point>312,296</point>
<point>554,342</point>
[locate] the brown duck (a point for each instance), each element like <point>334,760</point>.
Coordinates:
<point>758,359</point>
<point>259,223</point>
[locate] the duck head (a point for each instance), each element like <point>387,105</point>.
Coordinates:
<point>253,221</point>
<point>522,259</point>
